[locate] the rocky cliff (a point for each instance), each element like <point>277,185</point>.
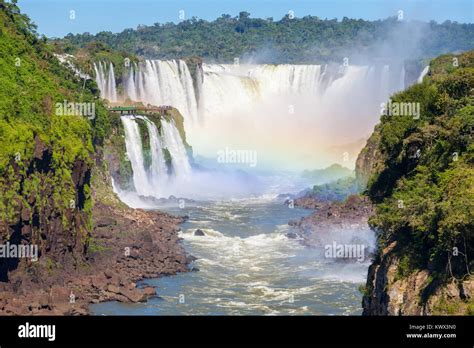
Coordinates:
<point>124,246</point>
<point>390,292</point>
<point>419,174</point>
<point>45,155</point>
<point>368,161</point>
<point>55,190</point>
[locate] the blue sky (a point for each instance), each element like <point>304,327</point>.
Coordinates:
<point>53,17</point>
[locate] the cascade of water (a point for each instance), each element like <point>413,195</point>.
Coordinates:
<point>160,82</point>
<point>224,87</point>
<point>112,91</point>
<point>99,73</point>
<point>107,85</point>
<point>158,170</point>
<point>266,108</point>
<point>179,158</point>
<point>155,180</point>
<point>134,148</point>
<point>229,87</point>
<point>423,74</point>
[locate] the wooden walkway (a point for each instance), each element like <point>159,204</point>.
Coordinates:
<point>130,110</point>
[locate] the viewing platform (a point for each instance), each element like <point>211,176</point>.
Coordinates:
<point>131,110</point>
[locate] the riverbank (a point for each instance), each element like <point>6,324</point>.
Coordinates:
<point>330,216</point>
<point>128,245</point>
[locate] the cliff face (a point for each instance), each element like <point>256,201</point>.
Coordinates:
<point>419,174</point>
<point>389,293</point>
<point>45,155</point>
<point>125,245</point>
<point>56,195</point>
<point>37,218</point>
<point>368,161</point>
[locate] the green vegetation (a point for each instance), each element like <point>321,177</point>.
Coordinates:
<point>363,290</point>
<point>449,307</point>
<point>289,40</point>
<point>337,190</point>
<point>424,190</point>
<point>94,52</point>
<point>45,158</point>
<point>405,266</point>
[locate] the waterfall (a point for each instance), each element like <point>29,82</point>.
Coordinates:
<point>160,82</point>
<point>223,86</point>
<point>199,83</point>
<point>179,158</point>
<point>99,73</point>
<point>107,86</point>
<point>112,92</point>
<point>312,114</point>
<point>130,84</point>
<point>227,88</point>
<point>155,181</point>
<point>423,74</point>
<point>158,169</point>
<point>134,147</point>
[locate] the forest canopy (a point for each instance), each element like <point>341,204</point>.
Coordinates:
<point>289,40</point>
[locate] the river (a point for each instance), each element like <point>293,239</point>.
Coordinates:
<point>247,266</point>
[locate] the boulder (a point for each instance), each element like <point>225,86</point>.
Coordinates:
<point>113,288</point>
<point>199,232</point>
<point>149,291</point>
<point>135,295</point>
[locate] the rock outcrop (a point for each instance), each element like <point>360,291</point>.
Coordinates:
<point>369,161</point>
<point>39,218</point>
<point>126,245</point>
<point>389,293</point>
<point>417,172</point>
<point>351,214</point>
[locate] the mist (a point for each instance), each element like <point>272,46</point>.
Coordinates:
<point>304,122</point>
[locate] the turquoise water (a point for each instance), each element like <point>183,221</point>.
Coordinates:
<point>247,266</point>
